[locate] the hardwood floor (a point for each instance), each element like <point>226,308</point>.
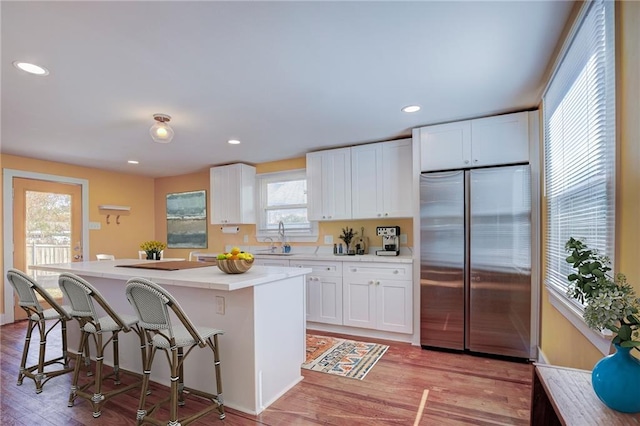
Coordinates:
<point>408,386</point>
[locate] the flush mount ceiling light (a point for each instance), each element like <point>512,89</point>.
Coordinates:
<point>161,132</point>
<point>411,108</point>
<point>233,141</point>
<point>31,68</point>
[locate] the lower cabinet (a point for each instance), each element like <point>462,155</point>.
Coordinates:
<point>378,296</point>
<point>324,291</point>
<point>370,295</point>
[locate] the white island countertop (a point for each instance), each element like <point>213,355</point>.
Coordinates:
<point>209,277</point>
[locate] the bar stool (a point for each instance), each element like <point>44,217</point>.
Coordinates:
<point>82,295</point>
<point>28,291</point>
<point>152,303</point>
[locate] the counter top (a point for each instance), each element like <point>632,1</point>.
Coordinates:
<point>328,257</point>
<point>209,277</point>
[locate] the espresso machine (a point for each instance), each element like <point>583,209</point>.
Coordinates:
<point>390,240</point>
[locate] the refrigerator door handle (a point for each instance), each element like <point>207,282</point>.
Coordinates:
<point>467,258</point>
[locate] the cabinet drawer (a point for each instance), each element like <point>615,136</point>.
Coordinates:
<point>396,271</point>
<point>327,269</point>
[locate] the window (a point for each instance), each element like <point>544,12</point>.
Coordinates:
<point>579,150</point>
<point>282,197</point>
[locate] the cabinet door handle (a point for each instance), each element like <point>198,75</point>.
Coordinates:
<point>386,214</point>
<point>328,268</point>
<point>371,282</point>
<point>475,161</point>
<point>377,282</point>
<point>396,271</point>
<point>466,161</point>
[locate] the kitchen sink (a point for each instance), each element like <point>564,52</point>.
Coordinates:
<point>268,253</point>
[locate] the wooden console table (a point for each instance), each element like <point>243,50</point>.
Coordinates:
<point>564,396</point>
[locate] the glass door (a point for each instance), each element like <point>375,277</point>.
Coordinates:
<point>47,219</point>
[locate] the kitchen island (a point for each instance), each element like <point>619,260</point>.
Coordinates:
<point>262,313</point>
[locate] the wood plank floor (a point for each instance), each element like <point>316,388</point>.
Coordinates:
<point>408,386</point>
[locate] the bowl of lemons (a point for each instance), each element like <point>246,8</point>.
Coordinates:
<point>235,261</point>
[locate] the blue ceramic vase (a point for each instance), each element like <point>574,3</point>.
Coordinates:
<point>615,380</point>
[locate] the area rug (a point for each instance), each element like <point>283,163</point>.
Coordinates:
<point>347,358</point>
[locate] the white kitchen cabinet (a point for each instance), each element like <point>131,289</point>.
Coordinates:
<point>232,194</point>
<point>382,180</point>
<point>324,290</point>
<point>445,146</point>
<point>489,141</point>
<point>329,185</point>
<point>378,296</point>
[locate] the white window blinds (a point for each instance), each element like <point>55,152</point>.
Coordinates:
<point>579,143</point>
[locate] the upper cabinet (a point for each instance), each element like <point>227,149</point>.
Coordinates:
<point>381,180</point>
<point>502,139</point>
<point>329,184</point>
<point>232,194</point>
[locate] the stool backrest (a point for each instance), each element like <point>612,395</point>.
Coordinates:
<point>153,303</point>
<point>81,295</point>
<point>28,291</point>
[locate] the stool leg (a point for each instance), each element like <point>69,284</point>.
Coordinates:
<point>41,354</point>
<point>173,413</point>
<point>147,361</point>
<point>76,370</point>
<point>65,352</point>
<point>97,393</point>
<point>216,363</point>
<point>25,350</point>
<point>180,377</point>
<point>116,359</point>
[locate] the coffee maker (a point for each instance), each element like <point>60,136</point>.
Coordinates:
<point>390,240</point>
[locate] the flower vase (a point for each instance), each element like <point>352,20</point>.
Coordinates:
<point>153,255</point>
<point>615,380</point>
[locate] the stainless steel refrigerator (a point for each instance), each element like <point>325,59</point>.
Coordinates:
<point>475,260</point>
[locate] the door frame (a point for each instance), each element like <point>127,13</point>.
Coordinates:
<point>7,194</point>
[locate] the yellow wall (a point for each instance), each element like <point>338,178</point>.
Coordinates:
<point>217,240</point>
<point>105,188</point>
<point>561,342</point>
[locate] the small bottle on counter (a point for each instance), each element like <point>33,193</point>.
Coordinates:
<point>335,249</point>
<point>340,249</point>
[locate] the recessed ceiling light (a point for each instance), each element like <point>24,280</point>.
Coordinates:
<point>234,141</point>
<point>31,68</point>
<point>411,108</point>
<point>133,162</point>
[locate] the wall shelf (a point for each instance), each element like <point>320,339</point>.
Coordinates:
<point>112,207</point>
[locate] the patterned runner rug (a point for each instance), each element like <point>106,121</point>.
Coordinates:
<point>342,357</point>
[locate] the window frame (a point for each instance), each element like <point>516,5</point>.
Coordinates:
<point>292,235</point>
<point>571,309</point>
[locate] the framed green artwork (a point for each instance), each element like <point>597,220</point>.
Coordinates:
<point>187,219</point>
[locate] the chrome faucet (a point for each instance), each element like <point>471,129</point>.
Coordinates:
<point>281,232</point>
<point>286,248</point>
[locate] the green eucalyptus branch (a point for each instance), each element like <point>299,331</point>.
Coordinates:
<point>611,304</point>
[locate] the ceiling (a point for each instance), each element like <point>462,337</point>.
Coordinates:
<point>284,78</point>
